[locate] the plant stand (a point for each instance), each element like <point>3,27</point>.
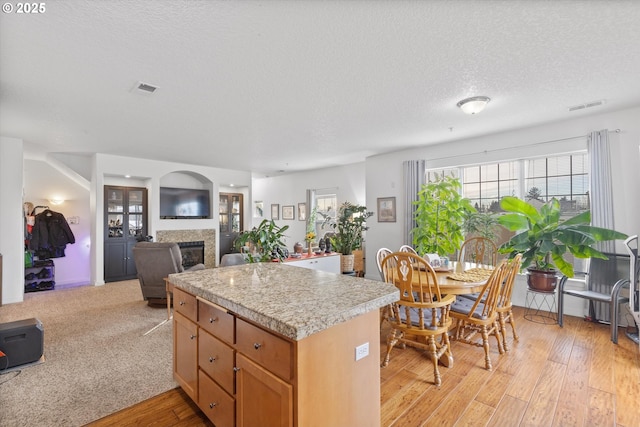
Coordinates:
<point>540,307</point>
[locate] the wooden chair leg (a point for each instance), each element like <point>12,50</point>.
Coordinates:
<point>496,333</point>
<point>503,331</point>
<point>392,340</point>
<point>485,345</point>
<point>513,326</point>
<point>433,350</point>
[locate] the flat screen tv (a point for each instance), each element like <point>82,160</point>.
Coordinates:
<point>184,203</point>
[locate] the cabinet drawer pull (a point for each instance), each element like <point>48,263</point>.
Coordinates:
<point>182,303</point>
<point>212,405</point>
<point>211,320</point>
<point>212,359</point>
<point>192,337</point>
<point>257,345</point>
<point>236,369</point>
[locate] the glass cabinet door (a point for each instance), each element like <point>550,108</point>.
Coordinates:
<point>115,213</point>
<point>136,212</point>
<point>236,204</point>
<point>224,213</point>
<point>230,212</point>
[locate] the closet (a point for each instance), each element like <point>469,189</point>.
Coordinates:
<point>47,234</point>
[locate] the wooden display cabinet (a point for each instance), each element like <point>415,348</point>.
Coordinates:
<point>125,221</point>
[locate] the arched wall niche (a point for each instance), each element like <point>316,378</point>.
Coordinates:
<point>185,179</point>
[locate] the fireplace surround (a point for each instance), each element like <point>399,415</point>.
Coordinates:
<point>208,236</point>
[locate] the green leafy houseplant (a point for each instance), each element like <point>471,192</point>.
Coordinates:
<point>265,242</point>
<point>348,226</point>
<point>440,213</point>
<point>482,224</point>
<point>543,238</point>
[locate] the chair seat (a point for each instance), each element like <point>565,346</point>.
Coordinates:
<point>415,318</point>
<point>593,295</point>
<point>464,306</point>
<point>474,296</point>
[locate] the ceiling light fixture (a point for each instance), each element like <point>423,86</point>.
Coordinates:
<point>56,201</point>
<point>473,105</point>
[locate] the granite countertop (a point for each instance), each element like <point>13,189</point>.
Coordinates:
<point>295,302</point>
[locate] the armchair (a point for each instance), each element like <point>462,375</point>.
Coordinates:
<point>154,262</point>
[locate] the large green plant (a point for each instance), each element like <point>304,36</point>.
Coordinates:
<point>440,213</point>
<point>543,238</point>
<point>348,226</point>
<point>265,242</point>
<point>482,224</point>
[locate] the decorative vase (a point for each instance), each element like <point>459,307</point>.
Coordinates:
<point>327,244</point>
<point>298,247</point>
<point>309,250</point>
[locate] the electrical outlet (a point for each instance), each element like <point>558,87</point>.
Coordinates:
<point>362,351</point>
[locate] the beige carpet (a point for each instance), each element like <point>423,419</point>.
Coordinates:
<point>97,360</point>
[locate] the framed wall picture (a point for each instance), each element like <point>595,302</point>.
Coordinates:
<point>275,211</point>
<point>302,211</point>
<point>386,209</point>
<point>288,212</point>
<point>259,211</point>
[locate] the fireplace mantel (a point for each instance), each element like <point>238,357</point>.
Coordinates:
<point>206,235</point>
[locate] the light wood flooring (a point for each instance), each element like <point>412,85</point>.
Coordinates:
<point>571,376</point>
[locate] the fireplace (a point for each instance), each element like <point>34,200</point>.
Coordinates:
<point>180,236</point>
<point>192,253</point>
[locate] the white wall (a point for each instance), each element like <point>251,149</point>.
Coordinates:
<point>11,220</point>
<point>347,182</point>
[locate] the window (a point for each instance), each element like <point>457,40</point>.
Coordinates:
<point>485,185</point>
<point>564,177</point>
<point>326,204</point>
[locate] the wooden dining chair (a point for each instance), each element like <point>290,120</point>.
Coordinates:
<point>505,306</point>
<point>421,317</point>
<point>380,255</point>
<point>478,250</point>
<point>479,316</point>
<point>407,248</point>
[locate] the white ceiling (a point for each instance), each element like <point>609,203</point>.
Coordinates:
<point>272,86</point>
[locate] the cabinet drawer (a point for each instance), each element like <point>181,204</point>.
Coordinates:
<point>268,350</point>
<point>217,321</point>
<point>216,359</point>
<point>185,304</point>
<point>217,405</point>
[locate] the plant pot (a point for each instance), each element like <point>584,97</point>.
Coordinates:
<point>346,263</point>
<point>542,280</point>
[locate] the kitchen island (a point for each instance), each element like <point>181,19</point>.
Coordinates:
<point>274,345</point>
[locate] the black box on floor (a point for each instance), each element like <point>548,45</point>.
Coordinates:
<point>22,341</point>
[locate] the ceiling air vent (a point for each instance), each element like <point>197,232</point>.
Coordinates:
<point>145,88</point>
<point>587,105</point>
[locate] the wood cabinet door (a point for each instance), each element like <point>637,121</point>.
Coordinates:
<point>262,399</point>
<point>185,354</point>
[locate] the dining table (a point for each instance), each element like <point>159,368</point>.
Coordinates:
<point>450,286</point>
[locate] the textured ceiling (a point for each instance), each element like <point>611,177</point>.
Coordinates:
<point>273,86</point>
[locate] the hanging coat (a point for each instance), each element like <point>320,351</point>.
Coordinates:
<point>50,235</point>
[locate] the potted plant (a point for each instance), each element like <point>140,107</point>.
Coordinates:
<point>348,226</point>
<point>543,239</point>
<point>264,242</point>
<point>440,214</point>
